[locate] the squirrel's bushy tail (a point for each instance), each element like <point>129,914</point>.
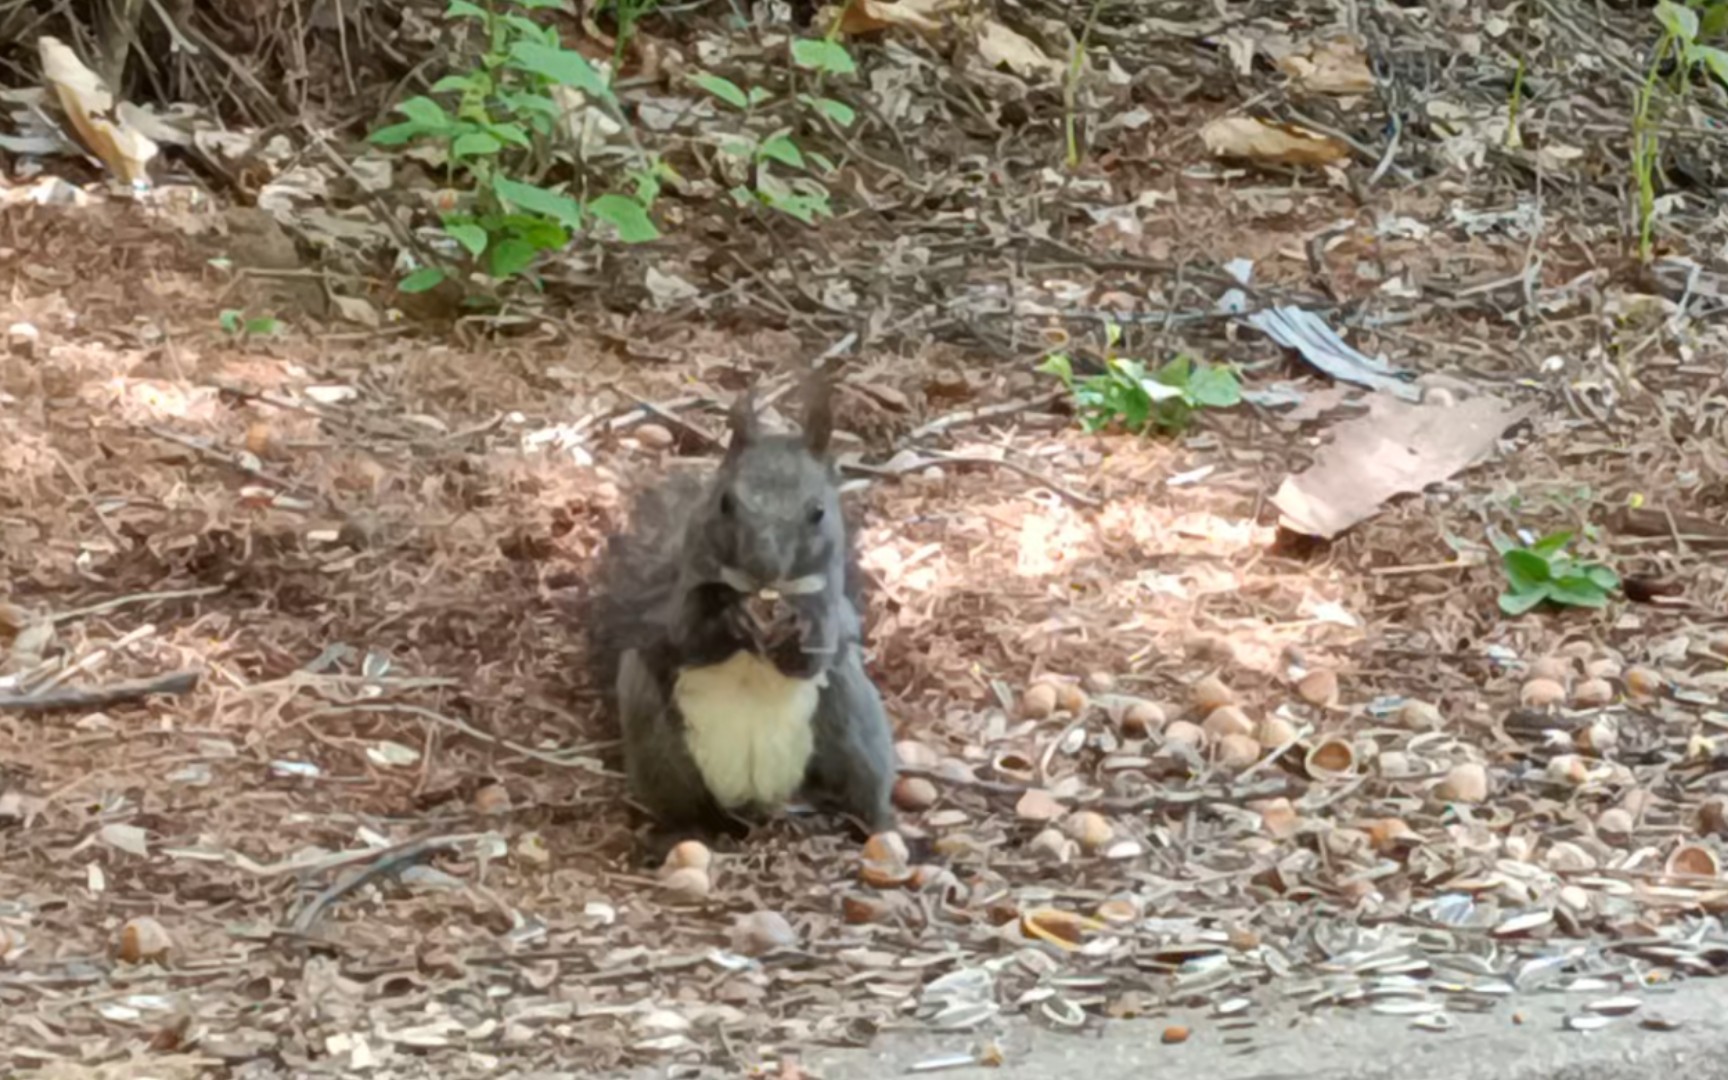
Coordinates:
<point>631,591</point>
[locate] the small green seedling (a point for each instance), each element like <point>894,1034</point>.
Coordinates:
<point>1127,395</point>
<point>1685,31</point>
<point>236,324</point>
<point>1542,572</point>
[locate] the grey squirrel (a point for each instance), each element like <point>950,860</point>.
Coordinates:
<point>726,633</point>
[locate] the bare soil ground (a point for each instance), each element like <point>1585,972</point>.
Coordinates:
<point>368,543</point>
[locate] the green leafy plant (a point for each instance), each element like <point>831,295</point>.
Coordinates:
<point>499,124</point>
<point>1685,31</point>
<point>235,324</point>
<point>766,144</point>
<point>626,14</point>
<point>1544,573</point>
<point>1126,394</point>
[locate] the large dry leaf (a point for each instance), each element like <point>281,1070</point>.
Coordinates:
<point>88,106</point>
<point>1278,144</point>
<point>1002,47</point>
<point>1338,67</point>
<point>1397,448</point>
<point>873,16</point>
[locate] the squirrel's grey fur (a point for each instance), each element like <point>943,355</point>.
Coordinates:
<point>667,603</point>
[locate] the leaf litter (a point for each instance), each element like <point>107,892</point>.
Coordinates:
<point>1254,778</point>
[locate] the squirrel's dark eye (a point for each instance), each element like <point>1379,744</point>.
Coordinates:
<point>726,503</point>
<point>816,513</point>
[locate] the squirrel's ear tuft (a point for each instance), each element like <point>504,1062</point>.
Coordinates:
<point>818,411</point>
<point>743,422</point>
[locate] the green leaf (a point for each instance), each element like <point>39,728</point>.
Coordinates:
<point>822,162</point>
<point>1714,22</point>
<point>562,66</point>
<point>397,134</point>
<point>545,5</point>
<point>262,326</point>
<point>1603,577</point>
<point>817,54</point>
<point>476,144</point>
<point>462,9</point>
<point>1517,603</point>
<point>724,89</point>
<point>1526,570</point>
<point>1059,365</point>
<point>1215,387</point>
<point>520,101</point>
<point>422,279</point>
<point>1577,592</point>
<point>626,215</point>
<point>837,111</point>
<point>511,257</point>
<point>538,200</point>
<point>230,321</point>
<point>426,112</point>
<point>510,133</point>
<point>472,237</point>
<point>781,148</point>
<point>542,234</point>
<point>448,83</point>
<point>1552,544</point>
<point>1715,60</point>
<point>527,27</point>
<point>758,95</point>
<point>1680,21</point>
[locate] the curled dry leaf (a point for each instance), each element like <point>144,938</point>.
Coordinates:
<point>914,793</point>
<point>1210,693</point>
<point>1100,682</point>
<point>1337,66</point>
<point>1039,701</point>
<point>1248,139</point>
<point>1319,688</point>
<point>144,940</point>
<point>1119,911</point>
<point>874,16</point>
<point>1038,805</point>
<point>687,883</point>
<point>1391,834</point>
<point>1540,693</point>
<point>92,110</point>
<point>999,46</point>
<point>1227,720</point>
<point>1014,766</point>
<point>1605,667</point>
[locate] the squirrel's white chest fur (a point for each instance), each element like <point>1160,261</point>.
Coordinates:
<point>749,728</point>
